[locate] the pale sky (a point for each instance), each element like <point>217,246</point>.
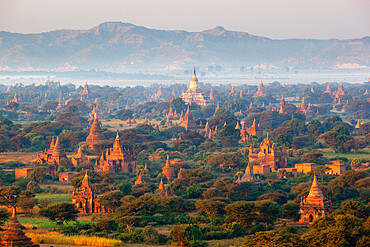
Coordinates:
<point>279,19</point>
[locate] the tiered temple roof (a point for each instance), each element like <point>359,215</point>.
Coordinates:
<point>96,134</point>
<point>255,130</point>
<point>14,236</point>
<point>315,204</point>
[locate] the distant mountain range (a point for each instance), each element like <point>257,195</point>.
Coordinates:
<point>119,46</point>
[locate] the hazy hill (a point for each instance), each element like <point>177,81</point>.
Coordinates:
<point>123,45</point>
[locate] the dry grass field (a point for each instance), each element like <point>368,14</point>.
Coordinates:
<point>18,156</point>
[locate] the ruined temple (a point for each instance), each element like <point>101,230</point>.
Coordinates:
<point>255,130</point>
<point>85,198</point>
<point>193,94</point>
<point>117,159</point>
<point>96,134</point>
<point>268,155</point>
<point>315,204</point>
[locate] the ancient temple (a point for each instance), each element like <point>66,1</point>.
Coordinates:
<point>85,198</point>
<point>79,158</point>
<point>139,180</point>
<point>244,135</point>
<point>161,190</point>
<point>261,92</point>
<point>249,176</point>
<point>315,205</point>
<point>302,107</point>
<point>14,236</point>
<point>281,106</point>
<point>328,90</point>
<point>159,93</point>
<point>232,92</point>
<point>211,95</point>
<point>188,123</point>
<point>86,90</point>
<point>117,159</point>
<point>268,155</point>
<point>168,171</point>
<point>340,91</point>
<point>53,155</point>
<point>96,134</point>
<point>193,94</point>
<point>255,130</point>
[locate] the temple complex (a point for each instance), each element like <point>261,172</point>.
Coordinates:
<point>168,171</point>
<point>85,198</point>
<point>53,155</point>
<point>117,159</point>
<point>315,205</point>
<point>255,130</point>
<point>96,134</point>
<point>261,92</point>
<point>188,123</point>
<point>193,94</point>
<point>269,156</point>
<point>244,135</point>
<point>79,158</point>
<point>14,236</point>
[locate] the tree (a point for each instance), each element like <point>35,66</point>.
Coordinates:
<point>125,189</point>
<point>291,211</point>
<point>267,211</point>
<point>4,216</point>
<point>111,200</point>
<point>229,136</point>
<point>224,160</point>
<point>38,174</point>
<point>10,195</point>
<point>60,212</point>
<point>27,204</point>
<point>19,142</point>
<point>355,163</point>
<point>314,157</point>
<point>242,212</point>
<point>354,208</point>
<point>211,207</point>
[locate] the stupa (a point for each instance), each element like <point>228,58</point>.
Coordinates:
<point>315,204</point>
<point>188,123</point>
<point>261,92</point>
<point>193,94</point>
<point>96,134</point>
<point>14,236</point>
<point>167,170</point>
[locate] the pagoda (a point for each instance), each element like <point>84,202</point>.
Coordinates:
<point>117,159</point>
<point>211,95</point>
<point>268,155</point>
<point>14,236</point>
<point>328,90</point>
<point>249,176</point>
<point>232,92</point>
<point>86,90</point>
<point>244,135</point>
<point>302,107</point>
<point>255,130</point>
<point>193,94</point>
<point>167,170</point>
<point>139,180</point>
<point>161,189</point>
<point>188,123</point>
<point>315,205</point>
<point>261,92</point>
<point>79,158</point>
<point>159,93</point>
<point>85,198</point>
<point>96,134</point>
<point>282,104</point>
<point>340,91</point>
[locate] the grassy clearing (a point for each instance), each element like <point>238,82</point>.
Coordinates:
<point>36,222</point>
<point>57,238</point>
<point>55,197</point>
<point>18,156</point>
<point>235,242</point>
<point>361,154</point>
